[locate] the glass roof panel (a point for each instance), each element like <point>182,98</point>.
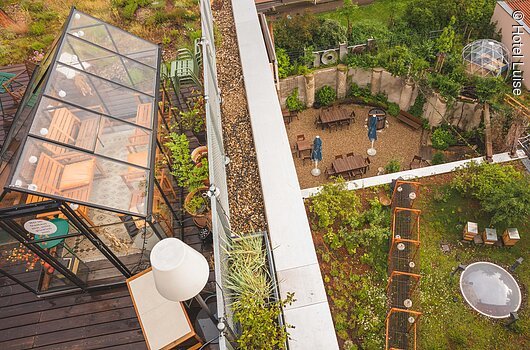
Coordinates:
<point>123,141</point>
<point>113,39</point>
<point>102,96</point>
<point>106,64</point>
<point>64,123</point>
<point>81,177</point>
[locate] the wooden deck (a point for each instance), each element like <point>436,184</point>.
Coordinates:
<point>8,108</point>
<point>103,319</point>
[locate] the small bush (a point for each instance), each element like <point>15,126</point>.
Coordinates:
<point>417,108</point>
<point>442,139</point>
<point>325,96</point>
<point>503,191</point>
<point>438,158</point>
<point>357,91</point>
<point>393,166</point>
<point>284,63</point>
<point>37,28</point>
<point>393,109</point>
<point>293,102</point>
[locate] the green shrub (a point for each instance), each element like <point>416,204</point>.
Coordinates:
<point>393,166</point>
<point>359,92</point>
<point>329,34</point>
<point>284,63</point>
<point>417,108</point>
<point>503,191</point>
<point>393,109</point>
<point>37,28</point>
<point>442,139</point>
<point>438,158</point>
<point>186,173</point>
<point>325,96</point>
<point>293,102</point>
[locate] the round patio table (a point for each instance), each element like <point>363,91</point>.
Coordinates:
<point>62,230</point>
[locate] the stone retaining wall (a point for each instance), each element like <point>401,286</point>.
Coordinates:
<point>464,115</point>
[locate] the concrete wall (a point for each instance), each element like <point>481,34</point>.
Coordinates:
<point>396,88</point>
<point>504,25</point>
<point>466,116</point>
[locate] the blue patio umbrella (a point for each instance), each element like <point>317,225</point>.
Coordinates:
<point>372,133</point>
<point>316,155</point>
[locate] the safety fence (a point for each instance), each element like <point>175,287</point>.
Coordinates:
<point>403,268</point>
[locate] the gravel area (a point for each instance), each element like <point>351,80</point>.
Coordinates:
<point>247,212</point>
<point>397,141</point>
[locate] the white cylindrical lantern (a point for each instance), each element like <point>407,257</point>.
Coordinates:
<point>411,320</point>
<point>401,246</point>
<point>62,93</point>
<point>407,303</point>
<point>412,195</point>
<point>180,272</point>
<point>32,159</point>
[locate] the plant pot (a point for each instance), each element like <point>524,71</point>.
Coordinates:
<point>198,153</point>
<point>196,212</point>
<point>201,137</point>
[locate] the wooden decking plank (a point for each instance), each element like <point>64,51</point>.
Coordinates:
<point>86,332</point>
<point>86,308</point>
<point>100,342</point>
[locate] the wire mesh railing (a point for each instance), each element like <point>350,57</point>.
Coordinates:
<point>403,268</point>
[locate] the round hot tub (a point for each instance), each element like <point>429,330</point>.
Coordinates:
<point>490,289</point>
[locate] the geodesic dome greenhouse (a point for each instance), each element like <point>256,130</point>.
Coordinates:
<point>486,57</point>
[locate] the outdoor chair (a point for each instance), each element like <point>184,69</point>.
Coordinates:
<point>349,154</point>
<point>357,172</point>
<point>339,156</point>
<point>305,157</point>
<point>318,123</point>
<point>367,162</point>
<point>9,85</point>
<point>417,162</point>
<point>345,123</point>
<point>329,172</point>
<point>300,137</point>
<point>70,181</point>
<point>352,116</point>
<point>332,125</point>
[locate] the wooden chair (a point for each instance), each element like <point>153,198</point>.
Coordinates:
<point>340,156</point>
<point>300,137</point>
<point>349,154</point>
<point>305,157</point>
<point>367,162</point>
<point>352,117</point>
<point>329,172</point>
<point>416,163</point>
<point>356,172</point>
<point>318,123</point>
<point>7,84</point>
<point>345,123</point>
<point>72,181</point>
<point>332,125</point>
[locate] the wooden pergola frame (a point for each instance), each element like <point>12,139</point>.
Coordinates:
<point>414,325</point>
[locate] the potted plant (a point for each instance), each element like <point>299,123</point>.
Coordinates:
<point>195,120</point>
<point>199,153</point>
<point>193,177</point>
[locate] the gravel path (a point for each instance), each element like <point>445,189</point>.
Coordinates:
<point>247,212</point>
<point>397,141</point>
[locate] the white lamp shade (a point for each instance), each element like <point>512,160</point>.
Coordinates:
<point>180,272</point>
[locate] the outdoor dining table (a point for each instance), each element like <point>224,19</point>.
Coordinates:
<point>348,164</point>
<point>302,146</point>
<point>334,116</point>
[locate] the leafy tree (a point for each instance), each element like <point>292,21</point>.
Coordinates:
<point>329,34</point>
<point>488,88</point>
<point>348,10</point>
<point>284,64</point>
<point>366,29</point>
<point>445,43</point>
<point>295,33</point>
<point>502,191</point>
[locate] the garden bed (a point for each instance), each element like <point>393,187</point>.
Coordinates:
<point>355,279</point>
<point>243,178</point>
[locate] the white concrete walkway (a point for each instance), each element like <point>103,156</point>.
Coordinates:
<point>415,173</point>
<point>294,253</point>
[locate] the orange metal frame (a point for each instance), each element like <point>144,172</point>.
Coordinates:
<point>402,182</point>
<point>410,312</point>
<point>394,273</point>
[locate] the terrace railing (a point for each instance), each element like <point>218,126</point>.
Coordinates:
<point>217,161</point>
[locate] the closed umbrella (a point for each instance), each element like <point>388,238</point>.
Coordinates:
<point>316,155</point>
<point>372,133</point>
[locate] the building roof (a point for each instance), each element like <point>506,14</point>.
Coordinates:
<point>86,127</point>
<point>520,5</point>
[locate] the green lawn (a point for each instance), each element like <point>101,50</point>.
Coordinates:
<point>380,11</point>
<point>447,321</point>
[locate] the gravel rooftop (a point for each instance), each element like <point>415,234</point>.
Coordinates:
<point>397,141</point>
<point>247,212</point>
